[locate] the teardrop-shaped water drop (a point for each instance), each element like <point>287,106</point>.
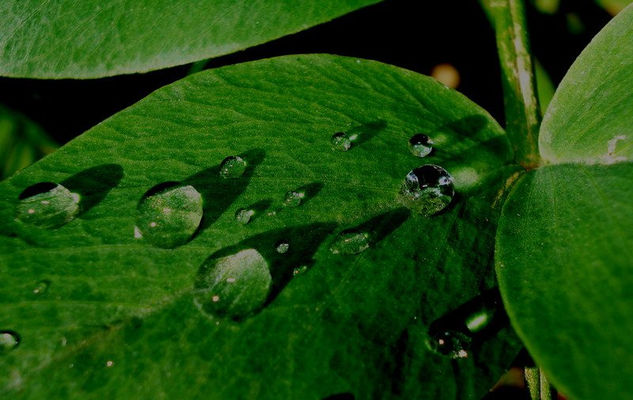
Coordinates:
<point>233,286</point>
<point>169,214</point>
<point>9,340</point>
<point>282,246</point>
<point>351,242</point>
<point>293,198</point>
<point>232,167</point>
<point>244,215</point>
<point>340,141</point>
<point>41,287</point>
<point>420,145</point>
<point>48,205</point>
<point>428,189</point>
<point>449,343</point>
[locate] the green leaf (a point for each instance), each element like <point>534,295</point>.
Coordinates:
<point>590,115</point>
<point>564,264</point>
<point>544,85</point>
<point>258,306</point>
<point>93,38</point>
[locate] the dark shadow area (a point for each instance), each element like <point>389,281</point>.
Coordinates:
<point>219,193</point>
<point>36,189</point>
<point>93,184</point>
<point>341,396</point>
<point>381,226</point>
<point>258,208</point>
<point>365,132</point>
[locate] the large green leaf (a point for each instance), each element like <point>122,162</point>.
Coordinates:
<point>102,313</point>
<point>564,240</point>
<point>93,38</point>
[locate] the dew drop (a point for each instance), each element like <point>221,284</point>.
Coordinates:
<point>48,205</point>
<point>168,215</point>
<point>340,141</point>
<point>449,343</point>
<point>243,215</point>
<point>293,198</point>
<point>9,340</point>
<point>232,167</point>
<point>420,145</point>
<point>299,270</point>
<point>233,286</point>
<point>428,189</point>
<point>351,242</point>
<point>479,320</point>
<point>282,246</point>
<point>41,287</point>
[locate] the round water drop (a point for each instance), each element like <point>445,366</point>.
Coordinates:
<point>47,205</point>
<point>282,246</point>
<point>169,214</point>
<point>9,340</point>
<point>351,242</point>
<point>299,270</point>
<point>243,215</point>
<point>428,189</point>
<point>233,286</point>
<point>340,141</point>
<point>420,145</point>
<point>41,287</point>
<point>293,199</point>
<point>450,343</point>
<point>232,167</point>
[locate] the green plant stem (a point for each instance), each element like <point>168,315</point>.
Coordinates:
<point>537,383</point>
<point>522,110</point>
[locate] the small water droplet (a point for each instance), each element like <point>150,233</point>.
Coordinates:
<point>299,270</point>
<point>232,167</point>
<point>109,363</point>
<point>351,242</point>
<point>9,340</point>
<point>449,343</point>
<point>243,215</point>
<point>479,320</point>
<point>233,286</point>
<point>428,189</point>
<point>340,141</point>
<point>48,205</point>
<point>420,145</point>
<point>282,246</point>
<point>177,225</point>
<point>293,198</point>
<point>41,287</point>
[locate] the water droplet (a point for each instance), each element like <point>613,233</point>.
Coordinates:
<point>420,145</point>
<point>450,343</point>
<point>479,320</point>
<point>169,214</point>
<point>428,189</point>
<point>48,205</point>
<point>299,270</point>
<point>350,242</point>
<point>9,340</point>
<point>243,215</point>
<point>233,286</point>
<point>340,141</point>
<point>232,167</point>
<point>109,363</point>
<point>41,286</point>
<point>282,246</point>
<point>293,198</point>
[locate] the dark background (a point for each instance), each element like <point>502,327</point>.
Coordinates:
<point>413,34</point>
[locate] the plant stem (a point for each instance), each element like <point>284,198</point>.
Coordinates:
<point>523,116</point>
<point>538,384</point>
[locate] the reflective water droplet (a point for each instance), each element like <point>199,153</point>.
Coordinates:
<point>449,343</point>
<point>48,205</point>
<point>293,198</point>
<point>420,145</point>
<point>282,246</point>
<point>351,242</point>
<point>169,214</point>
<point>299,270</point>
<point>428,189</point>
<point>41,286</point>
<point>340,141</point>
<point>243,215</point>
<point>109,363</point>
<point>233,286</point>
<point>9,340</point>
<point>479,320</point>
<point>232,167</point>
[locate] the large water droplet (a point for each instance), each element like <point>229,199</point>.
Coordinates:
<point>449,343</point>
<point>48,205</point>
<point>243,215</point>
<point>340,141</point>
<point>293,198</point>
<point>232,167</point>
<point>233,286</point>
<point>9,340</point>
<point>428,189</point>
<point>41,287</point>
<point>420,145</point>
<point>351,242</point>
<point>169,214</point>
<point>282,246</point>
